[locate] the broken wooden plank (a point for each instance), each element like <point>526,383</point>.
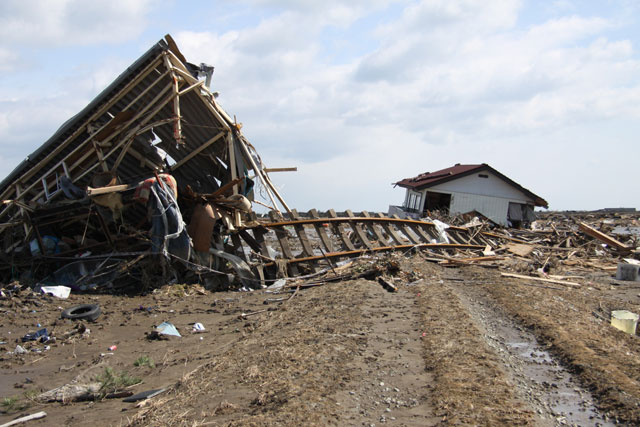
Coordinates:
<point>324,237</point>
<point>283,238</point>
<point>340,231</point>
<point>282,235</point>
<point>374,228</point>
<point>389,228</point>
<point>421,232</point>
<point>471,260</point>
<point>259,233</point>
<point>590,231</point>
<point>503,236</point>
<point>357,228</point>
<point>269,170</point>
<point>26,418</point>
<point>541,279</point>
<point>408,232</point>
<point>355,252</point>
<point>307,250</point>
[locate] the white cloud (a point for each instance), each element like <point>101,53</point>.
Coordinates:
<point>71,22</point>
<point>8,60</point>
<point>434,83</point>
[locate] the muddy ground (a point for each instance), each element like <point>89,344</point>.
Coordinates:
<point>452,346</point>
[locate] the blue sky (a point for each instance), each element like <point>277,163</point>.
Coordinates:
<point>361,94</point>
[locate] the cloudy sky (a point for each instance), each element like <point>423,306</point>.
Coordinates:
<point>360,94</point>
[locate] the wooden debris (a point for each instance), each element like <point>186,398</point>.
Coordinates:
<point>26,418</point>
<point>541,279</point>
<point>520,249</point>
<point>603,237</point>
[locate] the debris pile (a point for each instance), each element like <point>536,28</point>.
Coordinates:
<point>145,178</point>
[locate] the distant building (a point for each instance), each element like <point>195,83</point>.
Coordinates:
<point>467,188</point>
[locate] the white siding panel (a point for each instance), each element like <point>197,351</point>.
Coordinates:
<point>492,207</point>
<point>474,185</point>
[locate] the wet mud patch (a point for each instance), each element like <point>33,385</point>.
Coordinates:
<point>539,379</point>
<point>470,386</point>
<point>390,384</point>
<point>605,361</point>
<point>285,369</point>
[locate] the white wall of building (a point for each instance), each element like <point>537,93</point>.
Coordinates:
<point>474,184</point>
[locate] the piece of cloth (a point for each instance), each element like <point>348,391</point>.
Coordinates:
<point>168,232</point>
<point>143,191</point>
<point>201,226</point>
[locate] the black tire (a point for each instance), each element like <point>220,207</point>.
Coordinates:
<point>82,312</point>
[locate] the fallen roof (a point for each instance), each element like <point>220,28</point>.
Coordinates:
<point>158,116</point>
<point>430,179</point>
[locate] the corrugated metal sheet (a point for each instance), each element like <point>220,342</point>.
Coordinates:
<point>492,207</point>
<point>141,97</point>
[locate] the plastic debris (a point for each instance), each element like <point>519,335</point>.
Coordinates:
<point>144,395</point>
<point>42,334</point>
<point>20,350</point>
<point>57,291</point>
<point>198,327</point>
<point>166,328</point>
<point>277,285</point>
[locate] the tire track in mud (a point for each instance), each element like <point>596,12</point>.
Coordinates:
<point>390,385</point>
<point>539,379</point>
<point>470,384</point>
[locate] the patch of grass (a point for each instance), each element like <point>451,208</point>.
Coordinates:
<point>112,381</point>
<point>31,394</point>
<point>144,361</point>
<point>13,404</point>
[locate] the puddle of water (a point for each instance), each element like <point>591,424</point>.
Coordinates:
<point>626,231</point>
<point>562,396</point>
<point>558,398</point>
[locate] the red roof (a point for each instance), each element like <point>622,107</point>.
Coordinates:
<point>429,179</point>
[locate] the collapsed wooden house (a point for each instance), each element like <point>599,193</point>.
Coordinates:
<point>158,124</point>
<point>153,181</point>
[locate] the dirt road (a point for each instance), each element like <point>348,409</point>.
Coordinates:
<point>452,346</point>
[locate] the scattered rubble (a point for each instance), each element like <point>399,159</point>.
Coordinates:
<point>354,316</point>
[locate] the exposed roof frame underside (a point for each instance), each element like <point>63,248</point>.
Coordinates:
<point>156,103</point>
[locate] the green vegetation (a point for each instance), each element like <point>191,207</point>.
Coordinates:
<point>144,361</point>
<point>111,381</point>
<point>13,404</point>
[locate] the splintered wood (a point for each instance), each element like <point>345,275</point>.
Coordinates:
<point>312,241</point>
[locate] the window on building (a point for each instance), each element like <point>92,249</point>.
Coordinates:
<point>414,200</point>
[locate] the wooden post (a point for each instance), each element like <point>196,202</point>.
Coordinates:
<point>326,241</point>
<point>357,228</point>
<point>340,231</point>
<point>307,250</point>
<point>389,228</point>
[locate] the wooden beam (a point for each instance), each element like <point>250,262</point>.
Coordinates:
<point>195,152</point>
<point>269,170</point>
<point>190,88</point>
<point>357,228</point>
<point>384,248</point>
<point>590,231</point>
<point>540,279</point>
<point>109,138</point>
